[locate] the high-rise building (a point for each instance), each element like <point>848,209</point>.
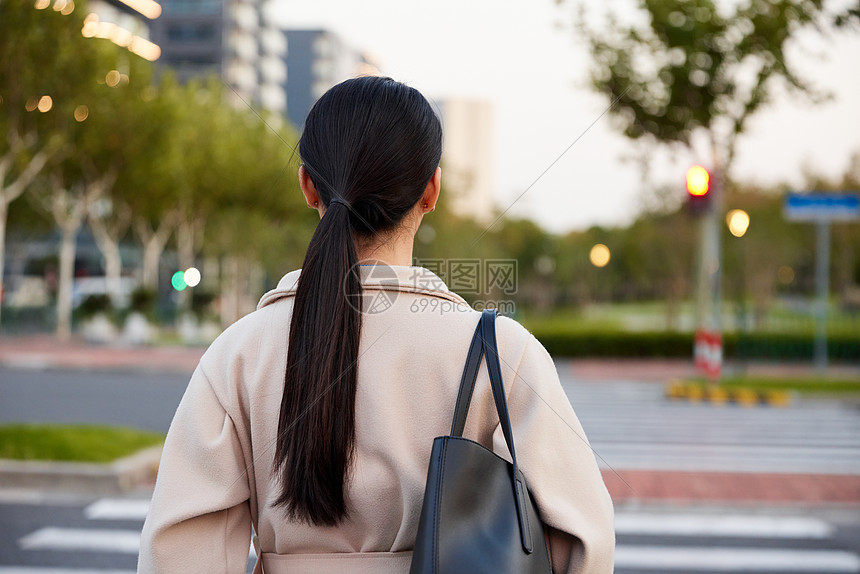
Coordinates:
<point>229,38</point>
<point>317,60</point>
<point>467,156</point>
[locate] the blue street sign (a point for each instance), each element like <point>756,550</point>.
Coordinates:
<point>821,206</point>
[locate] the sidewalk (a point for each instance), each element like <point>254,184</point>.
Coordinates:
<point>45,352</point>
<point>731,487</point>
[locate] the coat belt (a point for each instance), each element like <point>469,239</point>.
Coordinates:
<point>337,563</point>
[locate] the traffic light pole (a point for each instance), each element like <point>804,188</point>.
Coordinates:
<point>716,217</point>
<point>709,347</point>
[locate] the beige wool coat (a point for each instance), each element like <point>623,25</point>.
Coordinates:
<point>215,480</point>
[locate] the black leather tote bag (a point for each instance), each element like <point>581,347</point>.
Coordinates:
<point>478,516</point>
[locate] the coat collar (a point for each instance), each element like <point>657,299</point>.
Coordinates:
<point>407,278</point>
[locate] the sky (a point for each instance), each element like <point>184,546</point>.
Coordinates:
<point>524,57</point>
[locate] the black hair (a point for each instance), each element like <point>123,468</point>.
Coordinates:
<point>374,144</point>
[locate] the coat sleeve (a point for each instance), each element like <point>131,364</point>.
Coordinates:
<point>559,466</point>
<point>199,519</point>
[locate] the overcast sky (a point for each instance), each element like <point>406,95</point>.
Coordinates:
<point>523,57</point>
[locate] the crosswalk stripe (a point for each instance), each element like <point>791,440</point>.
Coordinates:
<point>633,426</point>
<point>748,526</point>
<point>728,458</point>
<point>716,559</point>
<point>44,570</point>
<point>117,509</point>
<point>102,540</point>
<point>93,539</point>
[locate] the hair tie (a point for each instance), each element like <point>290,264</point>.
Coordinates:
<point>334,200</point>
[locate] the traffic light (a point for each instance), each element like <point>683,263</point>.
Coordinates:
<point>698,189</point>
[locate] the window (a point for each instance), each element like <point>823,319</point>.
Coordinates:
<point>191,32</point>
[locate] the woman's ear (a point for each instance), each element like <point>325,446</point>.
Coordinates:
<point>309,190</point>
<point>431,192</point>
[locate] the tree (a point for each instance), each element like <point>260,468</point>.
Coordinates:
<point>32,90</point>
<point>151,183</point>
<point>699,68</point>
<point>247,204</point>
<point>115,135</point>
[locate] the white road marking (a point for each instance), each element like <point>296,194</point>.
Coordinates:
<point>88,539</point>
<point>117,509</point>
<point>716,559</point>
<point>45,570</point>
<point>722,525</point>
<point>119,541</point>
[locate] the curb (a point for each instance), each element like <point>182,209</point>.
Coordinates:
<point>120,476</point>
<point>717,395</point>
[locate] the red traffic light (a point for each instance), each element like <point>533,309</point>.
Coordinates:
<point>698,181</point>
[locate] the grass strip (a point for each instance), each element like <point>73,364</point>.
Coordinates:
<point>811,385</point>
<point>73,443</point>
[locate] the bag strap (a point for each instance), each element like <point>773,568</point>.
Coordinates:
<point>467,381</point>
<point>484,345</point>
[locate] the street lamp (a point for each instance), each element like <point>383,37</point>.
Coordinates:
<point>738,221</point>
<point>599,255</point>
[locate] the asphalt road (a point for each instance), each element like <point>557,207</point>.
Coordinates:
<point>139,400</point>
<point>623,420</point>
<point>630,424</point>
<point>91,535</point>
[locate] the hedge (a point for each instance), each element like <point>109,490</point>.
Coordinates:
<point>668,344</point>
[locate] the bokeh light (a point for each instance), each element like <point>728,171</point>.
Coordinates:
<point>785,275</point>
<point>112,78</point>
<point>45,104</point>
<point>738,221</point>
<point>698,180</point>
<point>178,281</point>
<point>42,4</point>
<point>599,255</point>
<point>31,104</point>
<point>82,112</point>
<point>192,277</point>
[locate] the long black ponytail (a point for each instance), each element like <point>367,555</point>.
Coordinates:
<point>373,144</point>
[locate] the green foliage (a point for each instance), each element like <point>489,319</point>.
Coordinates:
<point>656,344</point>
<point>93,305</point>
<point>571,342</point>
<point>146,152</point>
<point>699,65</point>
<point>143,301</point>
<point>201,303</point>
<point>780,347</point>
<point>78,443</point>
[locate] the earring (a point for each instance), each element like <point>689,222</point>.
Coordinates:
<point>316,203</point>
<point>425,205</point>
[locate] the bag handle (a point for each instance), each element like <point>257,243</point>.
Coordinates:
<point>467,381</point>
<point>484,345</point>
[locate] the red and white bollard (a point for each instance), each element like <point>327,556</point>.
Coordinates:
<point>708,353</point>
